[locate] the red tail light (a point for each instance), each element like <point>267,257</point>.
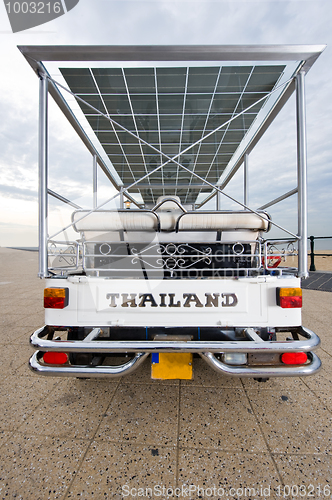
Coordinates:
<point>55,358</point>
<point>294,358</point>
<point>56,298</point>
<point>289,297</point>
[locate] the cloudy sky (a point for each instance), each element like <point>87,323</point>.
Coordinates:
<point>112,22</point>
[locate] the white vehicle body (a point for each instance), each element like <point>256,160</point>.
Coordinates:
<point>169,276</point>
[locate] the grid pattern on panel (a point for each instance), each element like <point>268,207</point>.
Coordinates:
<point>171,109</point>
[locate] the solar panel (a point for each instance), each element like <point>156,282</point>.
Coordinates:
<point>183,117</point>
<point>171,109</point>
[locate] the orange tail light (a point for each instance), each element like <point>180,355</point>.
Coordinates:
<point>56,298</point>
<point>289,297</point>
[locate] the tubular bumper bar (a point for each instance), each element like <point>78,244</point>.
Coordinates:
<point>86,371</point>
<point>205,349</point>
<point>148,346</point>
<point>263,371</point>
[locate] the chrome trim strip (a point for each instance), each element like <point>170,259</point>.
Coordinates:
<point>85,371</point>
<point>147,346</point>
<point>264,371</point>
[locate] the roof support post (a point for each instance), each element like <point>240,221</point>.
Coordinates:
<point>302,176</point>
<point>43,175</point>
<point>218,193</point>
<point>245,180</point>
<point>121,199</point>
<point>95,181</point>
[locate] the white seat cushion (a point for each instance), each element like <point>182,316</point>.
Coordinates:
<point>109,220</point>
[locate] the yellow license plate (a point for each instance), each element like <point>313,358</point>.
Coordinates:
<point>168,366</point>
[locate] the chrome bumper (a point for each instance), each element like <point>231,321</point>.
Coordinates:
<point>86,371</point>
<point>264,371</point>
<point>205,349</point>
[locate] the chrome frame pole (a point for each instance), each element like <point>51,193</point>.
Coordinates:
<point>43,175</point>
<point>95,181</point>
<point>174,158</point>
<point>218,200</point>
<point>245,180</point>
<point>302,175</point>
<point>121,199</point>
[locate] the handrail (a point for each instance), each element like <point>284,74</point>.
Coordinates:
<point>312,250</point>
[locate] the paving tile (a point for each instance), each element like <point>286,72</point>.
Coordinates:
<point>4,436</point>
<point>220,474</point>
<point>327,358</point>
<point>308,475</point>
<point>74,409</point>
<point>16,317</point>
<point>315,300</point>
<point>327,346</point>
<point>146,414</point>
<point>325,397</point>
<point>38,469</point>
<point>321,381</point>
<point>6,307</point>
<point>294,422</point>
<point>218,418</point>
<point>32,320</point>
<point>275,384</point>
<point>13,357</point>
<point>29,320</point>
<point>206,377</point>
<point>11,333</point>
<point>19,397</point>
<point>316,323</point>
<point>24,370</point>
<point>114,470</point>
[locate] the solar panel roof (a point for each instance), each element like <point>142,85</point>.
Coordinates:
<point>182,122</point>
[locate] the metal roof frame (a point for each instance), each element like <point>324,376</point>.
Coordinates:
<point>37,55</point>
<point>306,53</point>
<point>302,56</point>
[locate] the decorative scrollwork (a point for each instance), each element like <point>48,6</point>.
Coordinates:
<point>291,248</point>
<point>281,254</point>
<point>105,249</point>
<point>65,255</point>
<point>174,256</point>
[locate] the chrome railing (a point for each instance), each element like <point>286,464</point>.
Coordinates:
<point>123,259</point>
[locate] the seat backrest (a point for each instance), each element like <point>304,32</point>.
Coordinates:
<point>115,220</point>
<point>222,221</point>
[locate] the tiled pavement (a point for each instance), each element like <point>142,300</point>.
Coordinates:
<point>86,439</point>
<point>318,281</point>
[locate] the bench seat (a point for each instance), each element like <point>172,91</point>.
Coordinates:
<point>168,221</point>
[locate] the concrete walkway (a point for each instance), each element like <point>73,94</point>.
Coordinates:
<point>318,281</point>
<point>87,439</point>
